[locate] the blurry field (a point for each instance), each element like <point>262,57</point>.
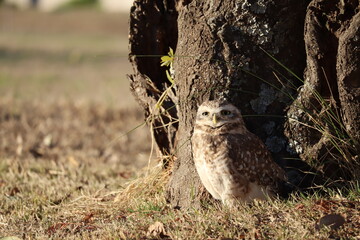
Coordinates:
<point>63,81</point>
<point>77,55</point>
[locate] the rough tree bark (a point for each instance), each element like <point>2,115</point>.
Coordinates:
<point>153,29</point>
<point>326,130</point>
<point>218,44</point>
<point>221,50</point>
<point>224,41</point>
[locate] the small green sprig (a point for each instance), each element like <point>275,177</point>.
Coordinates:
<point>168,60</point>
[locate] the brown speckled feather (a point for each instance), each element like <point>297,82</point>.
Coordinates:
<point>233,164</point>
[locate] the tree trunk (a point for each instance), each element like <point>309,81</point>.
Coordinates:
<point>153,29</point>
<point>222,50</point>
<point>324,120</point>
<point>219,55</point>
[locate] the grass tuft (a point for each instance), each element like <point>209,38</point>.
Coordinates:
<point>148,187</point>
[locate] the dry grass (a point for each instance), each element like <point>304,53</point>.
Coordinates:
<point>42,199</point>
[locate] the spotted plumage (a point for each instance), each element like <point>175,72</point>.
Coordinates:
<point>233,164</point>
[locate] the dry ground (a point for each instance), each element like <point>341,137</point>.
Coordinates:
<point>65,112</point>
<point>66,153</point>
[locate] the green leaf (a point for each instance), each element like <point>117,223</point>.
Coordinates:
<point>171,52</point>
<point>166,60</point>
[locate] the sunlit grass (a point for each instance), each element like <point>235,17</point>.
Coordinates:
<point>56,200</point>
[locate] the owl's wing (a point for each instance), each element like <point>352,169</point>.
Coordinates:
<point>252,159</point>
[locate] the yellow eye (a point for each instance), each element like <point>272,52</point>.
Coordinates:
<point>205,113</point>
<point>225,112</point>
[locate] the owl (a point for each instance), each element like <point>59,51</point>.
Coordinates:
<point>233,164</point>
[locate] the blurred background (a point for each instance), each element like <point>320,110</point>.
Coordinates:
<point>65,49</point>
<point>53,5</point>
<point>64,95</point>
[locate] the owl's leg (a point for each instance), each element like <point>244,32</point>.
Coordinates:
<point>234,195</point>
<point>258,192</point>
<point>230,202</point>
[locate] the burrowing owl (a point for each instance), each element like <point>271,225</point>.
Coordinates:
<point>233,164</point>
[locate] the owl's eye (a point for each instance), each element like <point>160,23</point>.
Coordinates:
<point>205,113</point>
<point>225,112</point>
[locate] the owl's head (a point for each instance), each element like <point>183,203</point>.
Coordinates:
<point>217,113</point>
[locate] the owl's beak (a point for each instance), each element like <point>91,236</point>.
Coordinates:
<point>214,119</point>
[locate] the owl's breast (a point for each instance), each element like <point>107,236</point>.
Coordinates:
<point>212,162</point>
<point>208,148</point>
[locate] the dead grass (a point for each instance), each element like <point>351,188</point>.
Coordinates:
<point>72,133</point>
<point>43,199</point>
<point>60,162</point>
